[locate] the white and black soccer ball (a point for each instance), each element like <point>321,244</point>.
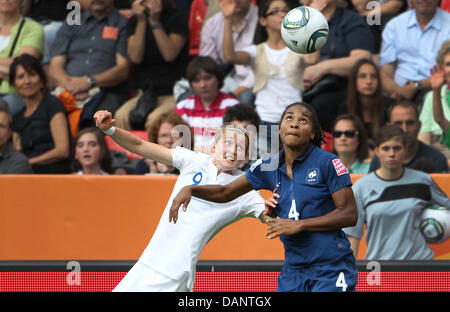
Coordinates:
<point>435,225</point>
<point>304,30</point>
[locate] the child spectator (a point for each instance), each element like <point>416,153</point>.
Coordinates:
<point>204,110</point>
<point>91,153</point>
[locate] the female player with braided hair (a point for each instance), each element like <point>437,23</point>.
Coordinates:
<point>314,202</point>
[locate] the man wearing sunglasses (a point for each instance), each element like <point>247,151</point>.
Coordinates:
<point>419,155</point>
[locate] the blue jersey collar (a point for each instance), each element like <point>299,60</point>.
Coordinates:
<point>300,158</point>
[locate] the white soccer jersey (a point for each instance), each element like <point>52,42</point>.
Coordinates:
<point>175,248</point>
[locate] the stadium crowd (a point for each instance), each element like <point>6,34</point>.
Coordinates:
<point>146,60</point>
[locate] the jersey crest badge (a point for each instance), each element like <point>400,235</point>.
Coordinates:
<point>339,167</point>
<point>312,176</point>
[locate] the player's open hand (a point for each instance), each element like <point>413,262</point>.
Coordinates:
<point>283,227</point>
<point>104,120</point>
<point>182,199</point>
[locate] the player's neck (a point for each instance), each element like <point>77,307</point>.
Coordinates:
<point>389,174</point>
<point>291,154</point>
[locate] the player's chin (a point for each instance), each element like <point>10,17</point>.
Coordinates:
<point>230,164</point>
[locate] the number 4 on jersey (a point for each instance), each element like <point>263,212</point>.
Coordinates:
<point>293,213</point>
<point>341,282</point>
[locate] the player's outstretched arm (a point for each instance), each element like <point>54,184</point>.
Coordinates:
<point>104,121</point>
<point>213,193</point>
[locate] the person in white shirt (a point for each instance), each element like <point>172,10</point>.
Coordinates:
<point>169,261</point>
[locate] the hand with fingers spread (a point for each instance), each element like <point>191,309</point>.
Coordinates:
<point>437,77</point>
<point>182,199</point>
<point>104,120</point>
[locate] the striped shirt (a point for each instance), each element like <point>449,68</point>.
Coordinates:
<point>204,121</point>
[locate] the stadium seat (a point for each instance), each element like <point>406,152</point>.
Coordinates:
<point>196,18</point>
<point>113,146</point>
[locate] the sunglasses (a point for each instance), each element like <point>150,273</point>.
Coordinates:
<point>347,133</point>
<point>277,11</point>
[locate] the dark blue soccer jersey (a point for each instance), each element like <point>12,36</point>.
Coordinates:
<point>316,174</point>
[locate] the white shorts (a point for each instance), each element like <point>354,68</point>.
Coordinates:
<point>142,278</point>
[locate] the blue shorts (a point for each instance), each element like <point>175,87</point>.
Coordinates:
<point>336,277</point>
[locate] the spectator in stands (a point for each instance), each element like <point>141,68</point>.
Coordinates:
<point>397,196</point>
<point>407,51</point>
<point>405,115</point>
<point>377,13</point>
<point>91,153</point>
<point>51,14</point>
<point>435,114</point>
<point>365,98</point>
<point>278,71</point>
<point>244,19</point>
<point>11,161</point>
<point>245,116</point>
<point>204,110</point>
<point>162,133</point>
<point>93,55</point>
<point>18,35</point>
<point>350,143</point>
<point>325,83</point>
<point>124,7</point>
<point>158,42</point>
<point>41,129</point>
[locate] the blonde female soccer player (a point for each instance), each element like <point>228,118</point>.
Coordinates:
<point>169,261</point>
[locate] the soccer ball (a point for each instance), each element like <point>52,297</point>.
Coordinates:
<point>435,225</point>
<point>304,30</point>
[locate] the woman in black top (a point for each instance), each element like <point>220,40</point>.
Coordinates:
<point>158,36</point>
<point>41,129</point>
